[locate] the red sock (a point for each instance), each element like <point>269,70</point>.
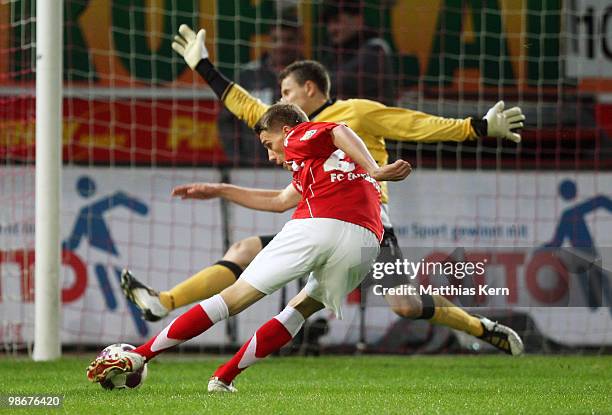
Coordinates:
<point>188,325</point>
<point>267,339</point>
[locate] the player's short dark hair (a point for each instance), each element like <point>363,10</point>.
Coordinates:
<point>307,70</point>
<point>279,115</point>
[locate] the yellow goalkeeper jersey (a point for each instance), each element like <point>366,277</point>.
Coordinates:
<point>372,121</point>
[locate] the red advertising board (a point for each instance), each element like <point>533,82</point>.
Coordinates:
<point>142,131</point>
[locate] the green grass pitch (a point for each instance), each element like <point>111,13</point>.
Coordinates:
<point>333,384</point>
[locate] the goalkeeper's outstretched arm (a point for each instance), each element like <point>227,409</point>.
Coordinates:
<point>408,125</point>
<point>192,48</point>
<point>251,198</point>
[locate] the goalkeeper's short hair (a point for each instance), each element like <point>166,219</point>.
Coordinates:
<point>308,70</point>
<point>279,115</point>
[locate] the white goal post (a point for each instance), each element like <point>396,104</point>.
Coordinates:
<point>49,24</point>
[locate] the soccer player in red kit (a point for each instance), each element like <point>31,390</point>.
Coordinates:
<point>333,238</point>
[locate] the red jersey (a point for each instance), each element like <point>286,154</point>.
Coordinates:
<point>331,184</point>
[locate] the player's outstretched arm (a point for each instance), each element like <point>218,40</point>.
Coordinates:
<point>251,198</point>
<point>192,47</point>
<point>349,142</point>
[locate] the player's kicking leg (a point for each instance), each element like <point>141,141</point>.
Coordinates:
<point>438,310</point>
<point>209,281</point>
<point>190,324</point>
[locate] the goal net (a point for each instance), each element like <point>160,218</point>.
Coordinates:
<point>137,122</point>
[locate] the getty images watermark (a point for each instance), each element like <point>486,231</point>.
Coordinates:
<point>404,270</point>
<point>495,277</point>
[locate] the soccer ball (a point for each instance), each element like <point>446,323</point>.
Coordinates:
<point>122,380</point>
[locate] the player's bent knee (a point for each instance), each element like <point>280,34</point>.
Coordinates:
<point>404,306</point>
<point>239,296</point>
<point>244,251</point>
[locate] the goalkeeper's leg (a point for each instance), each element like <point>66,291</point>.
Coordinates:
<point>202,285</point>
<point>439,310</point>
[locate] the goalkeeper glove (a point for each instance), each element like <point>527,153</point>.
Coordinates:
<point>500,123</point>
<point>190,45</point>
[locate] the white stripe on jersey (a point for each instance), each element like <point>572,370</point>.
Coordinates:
<point>309,209</point>
<point>313,182</point>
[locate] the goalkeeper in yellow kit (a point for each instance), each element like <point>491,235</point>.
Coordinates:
<point>307,84</point>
